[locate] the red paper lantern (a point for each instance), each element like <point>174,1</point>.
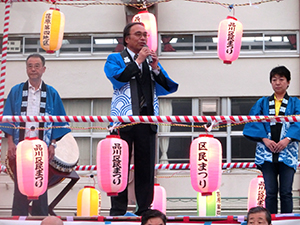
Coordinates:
<point>257,192</point>
<point>112,164</point>
<point>52,30</point>
<point>149,20</point>
<point>159,198</point>
<point>206,164</point>
<point>88,202</point>
<point>229,39</point>
<point>32,167</point>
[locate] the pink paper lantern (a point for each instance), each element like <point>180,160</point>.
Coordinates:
<point>206,164</point>
<point>257,192</point>
<point>32,167</point>
<point>229,39</point>
<point>112,164</point>
<point>159,198</point>
<point>149,20</point>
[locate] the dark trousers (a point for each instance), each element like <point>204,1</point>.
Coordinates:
<point>271,171</point>
<point>20,205</point>
<point>142,137</point>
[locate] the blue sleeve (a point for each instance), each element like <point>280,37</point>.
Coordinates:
<point>293,108</point>
<point>12,108</point>
<point>113,67</point>
<point>173,86</point>
<point>255,131</point>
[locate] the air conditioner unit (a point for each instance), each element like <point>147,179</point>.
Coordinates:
<point>209,106</point>
<point>14,46</point>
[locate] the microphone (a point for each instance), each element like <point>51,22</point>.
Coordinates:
<point>149,57</point>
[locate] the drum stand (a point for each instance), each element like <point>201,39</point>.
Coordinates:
<point>56,177</point>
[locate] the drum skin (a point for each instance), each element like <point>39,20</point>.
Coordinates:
<point>66,154</point>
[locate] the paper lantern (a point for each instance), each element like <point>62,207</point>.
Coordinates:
<point>52,30</point>
<point>229,39</point>
<point>159,198</point>
<point>112,164</point>
<point>149,20</point>
<point>88,202</point>
<point>209,205</point>
<point>257,192</point>
<point>32,167</point>
<point>206,164</point>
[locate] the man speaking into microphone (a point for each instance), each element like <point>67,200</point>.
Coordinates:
<point>137,82</point>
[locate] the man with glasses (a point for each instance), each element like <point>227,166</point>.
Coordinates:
<point>138,79</point>
<point>32,98</point>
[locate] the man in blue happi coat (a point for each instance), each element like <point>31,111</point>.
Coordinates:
<point>32,98</point>
<point>138,79</point>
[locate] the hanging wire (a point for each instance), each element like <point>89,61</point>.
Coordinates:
<point>235,5</point>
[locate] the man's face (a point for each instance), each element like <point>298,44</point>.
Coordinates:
<point>155,221</point>
<point>35,68</point>
<point>257,219</point>
<point>137,38</point>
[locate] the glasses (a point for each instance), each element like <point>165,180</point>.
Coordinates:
<point>140,34</point>
<point>36,66</point>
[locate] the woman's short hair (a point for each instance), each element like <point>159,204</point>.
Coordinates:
<point>281,71</point>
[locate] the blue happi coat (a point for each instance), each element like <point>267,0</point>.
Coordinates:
<point>54,107</point>
<point>121,104</point>
<point>257,130</point>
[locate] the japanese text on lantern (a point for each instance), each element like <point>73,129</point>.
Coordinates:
<point>202,164</point>
<point>218,203</point>
<point>39,165</point>
<point>230,38</point>
<point>261,194</point>
<point>117,152</point>
<point>137,19</point>
<point>47,27</point>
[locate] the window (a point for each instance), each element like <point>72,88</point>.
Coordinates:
<point>174,142</point>
<point>206,43</point>
<point>86,137</point>
<point>199,43</point>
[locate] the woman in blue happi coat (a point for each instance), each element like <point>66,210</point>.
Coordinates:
<point>277,143</point>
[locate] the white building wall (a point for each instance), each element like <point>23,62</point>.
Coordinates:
<point>197,76</point>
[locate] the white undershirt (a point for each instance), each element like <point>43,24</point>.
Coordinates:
<point>33,109</point>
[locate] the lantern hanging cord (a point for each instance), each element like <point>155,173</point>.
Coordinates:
<point>234,5</point>
<point>231,8</point>
<point>97,2</point>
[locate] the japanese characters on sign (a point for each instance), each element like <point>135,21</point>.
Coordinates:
<point>230,38</point>
<point>47,28</point>
<point>261,194</point>
<point>117,163</point>
<point>218,203</point>
<point>39,165</point>
<point>202,164</point>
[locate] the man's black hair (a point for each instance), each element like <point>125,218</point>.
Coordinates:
<point>259,209</point>
<point>153,213</point>
<point>36,55</point>
<point>126,31</point>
